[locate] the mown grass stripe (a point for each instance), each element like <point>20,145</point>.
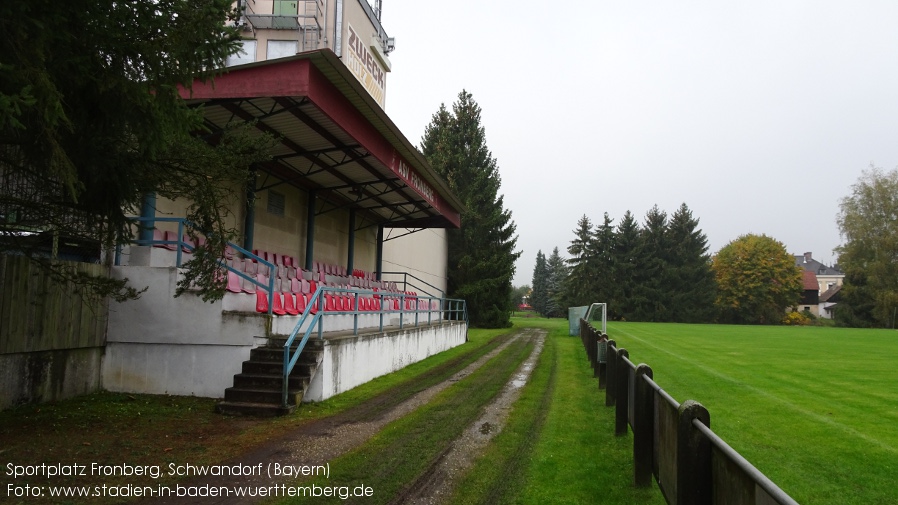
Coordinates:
<point>812,408</point>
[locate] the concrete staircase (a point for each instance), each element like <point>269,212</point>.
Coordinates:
<point>257,389</point>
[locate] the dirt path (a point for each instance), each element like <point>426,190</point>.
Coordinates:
<point>435,486</point>
<point>321,441</point>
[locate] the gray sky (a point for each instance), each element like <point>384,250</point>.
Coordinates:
<point>758,115</point>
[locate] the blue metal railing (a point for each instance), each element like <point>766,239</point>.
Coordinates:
<point>317,308</point>
<point>180,245</point>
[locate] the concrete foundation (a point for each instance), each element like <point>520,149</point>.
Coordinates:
<point>46,376</point>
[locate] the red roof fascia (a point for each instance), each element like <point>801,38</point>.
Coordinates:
<point>296,78</point>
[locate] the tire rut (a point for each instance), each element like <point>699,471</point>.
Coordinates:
<point>435,485</point>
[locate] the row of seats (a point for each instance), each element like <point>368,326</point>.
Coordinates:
<point>289,276</point>
<point>286,303</point>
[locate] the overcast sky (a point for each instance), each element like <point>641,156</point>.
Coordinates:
<point>758,115</point>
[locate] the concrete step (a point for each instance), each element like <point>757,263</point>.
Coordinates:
<point>277,354</point>
<point>277,367</point>
<point>269,381</point>
<point>252,409</point>
<point>314,343</point>
<point>262,395</point>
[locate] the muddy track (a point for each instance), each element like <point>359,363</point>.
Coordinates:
<point>435,485</point>
<point>320,441</point>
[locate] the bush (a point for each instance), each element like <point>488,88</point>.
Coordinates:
<point>797,319</point>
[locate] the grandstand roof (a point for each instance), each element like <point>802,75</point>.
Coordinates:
<point>334,138</point>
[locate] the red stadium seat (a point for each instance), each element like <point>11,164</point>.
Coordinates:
<point>290,304</point>
<point>261,302</point>
<point>277,304</point>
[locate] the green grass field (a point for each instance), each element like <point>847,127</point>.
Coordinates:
<point>815,409</point>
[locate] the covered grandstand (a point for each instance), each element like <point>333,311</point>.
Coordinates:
<point>316,225</point>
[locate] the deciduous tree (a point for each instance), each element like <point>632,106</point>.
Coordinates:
<point>868,222</point>
<point>756,280</point>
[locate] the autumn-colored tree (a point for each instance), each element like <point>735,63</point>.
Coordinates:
<point>756,280</point>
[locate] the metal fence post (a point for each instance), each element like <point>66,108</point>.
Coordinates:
<point>693,456</point>
<point>622,392</point>
<point>643,427</point>
<point>611,363</point>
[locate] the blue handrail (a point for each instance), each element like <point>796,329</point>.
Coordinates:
<point>452,308</point>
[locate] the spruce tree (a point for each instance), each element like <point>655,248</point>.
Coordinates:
<point>689,279</point>
<point>626,268</point>
<point>557,273</point>
<point>581,282</point>
<point>652,304</point>
<point>482,252</point>
<point>539,293</point>
<point>604,241</point>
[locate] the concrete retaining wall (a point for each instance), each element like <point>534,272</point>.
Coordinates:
<point>353,360</point>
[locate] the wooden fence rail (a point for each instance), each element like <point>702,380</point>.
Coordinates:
<point>673,442</point>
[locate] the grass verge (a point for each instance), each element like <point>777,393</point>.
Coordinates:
<point>559,444</point>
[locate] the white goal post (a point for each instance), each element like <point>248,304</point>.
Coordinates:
<point>597,311</point>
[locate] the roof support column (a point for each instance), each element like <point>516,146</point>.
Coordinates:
<point>380,252</point>
<point>249,219</point>
<point>310,230</point>
<point>148,212</point>
<point>351,252</point>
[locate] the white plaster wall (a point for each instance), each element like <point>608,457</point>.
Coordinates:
<point>160,344</point>
<point>182,369</point>
<point>350,361</point>
<point>424,254</point>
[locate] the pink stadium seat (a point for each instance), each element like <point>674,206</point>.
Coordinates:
<point>248,286</point>
<point>296,285</point>
<point>234,282</point>
<point>170,236</point>
<point>188,244</point>
<point>261,302</point>
<point>157,238</point>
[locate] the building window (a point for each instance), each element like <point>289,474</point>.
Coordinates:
<point>276,203</point>
<point>247,54</point>
<point>281,48</point>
